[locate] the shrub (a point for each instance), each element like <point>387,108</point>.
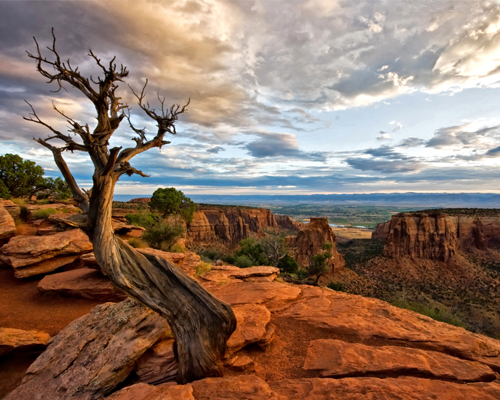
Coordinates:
<point>43,214</point>
<point>339,287</point>
<point>243,262</point>
<point>201,268</point>
<point>175,248</point>
<point>288,265</point>
<point>253,251</point>
<point>170,201</point>
<point>144,219</point>
<point>162,235</point>
<point>318,265</point>
<point>229,258</point>
<point>4,191</point>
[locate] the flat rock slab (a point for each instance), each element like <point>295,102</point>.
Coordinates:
<point>367,319</point>
<point>32,252</point>
<point>251,387</point>
<point>17,340</point>
<point>13,209</point>
<point>268,293</point>
<point>336,358</point>
<point>7,225</point>
<point>223,273</point>
<point>252,321</point>
<point>143,391</point>
<point>93,354</point>
<point>403,388</point>
<point>64,209</point>
<point>84,283</point>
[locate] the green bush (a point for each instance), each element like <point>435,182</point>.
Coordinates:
<point>252,250</point>
<point>162,235</point>
<point>4,191</point>
<point>288,265</point>
<point>229,258</point>
<point>175,248</point>
<point>243,262</point>
<point>339,287</point>
<point>43,214</point>
<point>170,201</point>
<point>144,219</point>
<point>318,265</point>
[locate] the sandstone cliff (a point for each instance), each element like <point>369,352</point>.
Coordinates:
<point>437,236</point>
<point>229,225</point>
<point>309,242</point>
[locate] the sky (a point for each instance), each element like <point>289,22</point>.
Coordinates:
<point>287,97</point>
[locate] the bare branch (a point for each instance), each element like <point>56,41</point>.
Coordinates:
<point>71,144</point>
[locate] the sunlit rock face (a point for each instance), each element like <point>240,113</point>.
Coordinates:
<point>437,236</point>
<point>310,240</point>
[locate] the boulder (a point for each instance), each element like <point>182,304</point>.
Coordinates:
<point>371,319</point>
<point>84,283</point>
<point>158,364</point>
<point>252,321</point>
<point>336,358</point>
<point>64,209</point>
<point>7,225</point>
<point>93,354</point>
<point>17,340</point>
<point>310,240</point>
<point>13,209</point>
<point>34,255</point>
<point>225,272</point>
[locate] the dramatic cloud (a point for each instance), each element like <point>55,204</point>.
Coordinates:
<point>283,94</point>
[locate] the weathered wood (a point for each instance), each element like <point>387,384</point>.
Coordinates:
<point>201,323</point>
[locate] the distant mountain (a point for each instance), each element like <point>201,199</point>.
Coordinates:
<point>481,200</point>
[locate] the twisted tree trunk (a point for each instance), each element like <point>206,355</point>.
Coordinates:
<point>201,323</point>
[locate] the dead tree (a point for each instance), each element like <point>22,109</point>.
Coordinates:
<point>201,323</point>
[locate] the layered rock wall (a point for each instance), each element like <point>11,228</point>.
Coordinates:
<point>229,225</point>
<point>310,240</point>
<point>437,236</point>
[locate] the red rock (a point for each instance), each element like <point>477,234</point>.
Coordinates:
<point>247,387</point>
<point>34,255</point>
<point>143,391</point>
<point>402,388</point>
<point>16,340</point>
<point>158,364</point>
<point>242,363</point>
<point>268,293</point>
<point>309,242</point>
<point>7,225</point>
<point>199,230</point>
<point>381,230</point>
<point>416,235</point>
<point>66,209</point>
<point>252,321</point>
<point>13,209</point>
<point>336,358</point>
<point>286,222</point>
<point>223,273</point>
<point>93,354</point>
<point>84,283</point>
<point>367,319</point>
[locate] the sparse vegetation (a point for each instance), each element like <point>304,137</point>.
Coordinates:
<point>163,235</point>
<point>337,286</point>
<point>137,243</point>
<point>44,213</point>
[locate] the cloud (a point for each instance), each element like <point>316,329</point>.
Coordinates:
<point>466,135</point>
<point>270,144</point>
<point>384,136</point>
<point>215,150</point>
<point>411,142</point>
<point>398,127</point>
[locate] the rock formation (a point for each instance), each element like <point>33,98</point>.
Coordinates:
<point>229,225</point>
<point>371,347</point>
<point>13,209</point>
<point>437,236</point>
<point>7,225</point>
<point>17,340</point>
<point>310,240</point>
<point>35,255</point>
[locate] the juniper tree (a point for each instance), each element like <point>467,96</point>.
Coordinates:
<point>200,322</point>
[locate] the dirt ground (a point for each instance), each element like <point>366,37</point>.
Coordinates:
<point>353,233</point>
<point>22,306</point>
